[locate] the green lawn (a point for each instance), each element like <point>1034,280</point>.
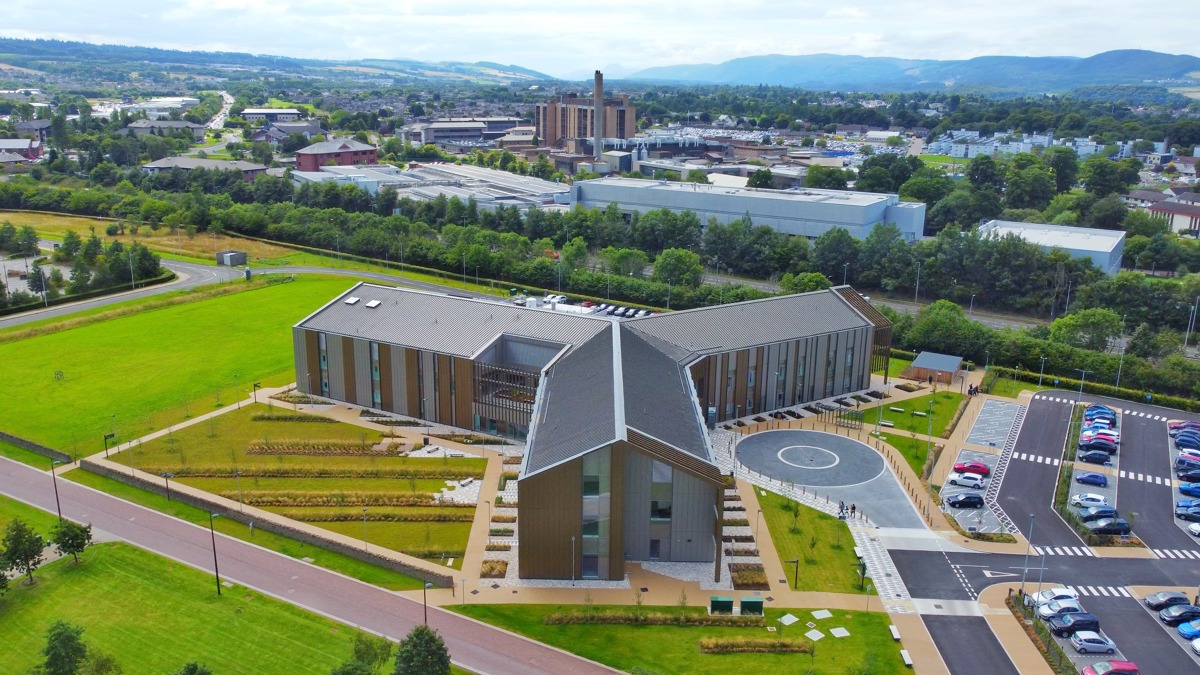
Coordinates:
<point>944,159</point>
<point>24,456</point>
<point>351,567</point>
<point>897,366</point>
<point>831,565</point>
<point>41,521</point>
<point>673,649</point>
<point>153,615</point>
<point>1006,386</point>
<point>137,372</point>
<point>915,451</point>
<point>945,404</point>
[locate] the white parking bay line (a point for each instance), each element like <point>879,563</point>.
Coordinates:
<point>1056,462</point>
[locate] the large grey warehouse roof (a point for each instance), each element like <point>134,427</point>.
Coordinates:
<point>742,325</point>
<point>446,324</point>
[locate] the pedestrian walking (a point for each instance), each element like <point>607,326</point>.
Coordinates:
<point>852,508</point>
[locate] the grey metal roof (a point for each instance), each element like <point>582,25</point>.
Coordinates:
<point>943,363</point>
<point>335,145</point>
<point>446,324</point>
<point>572,419</point>
<point>202,163</point>
<point>750,324</point>
<point>658,395</point>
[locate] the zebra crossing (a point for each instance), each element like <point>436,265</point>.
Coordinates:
<point>1101,591</point>
<point>1155,480</point>
<point>1039,459</point>
<point>1064,550</point>
<point>1072,401</point>
<point>1176,553</point>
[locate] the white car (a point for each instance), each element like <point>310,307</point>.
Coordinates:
<point>1088,499</point>
<point>1194,529</point>
<point>1050,595</point>
<point>1087,641</point>
<point>967,480</point>
<point>1196,645</point>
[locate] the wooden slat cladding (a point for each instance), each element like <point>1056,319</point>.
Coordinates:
<point>312,350</point>
<point>464,392</point>
<point>881,346</point>
<point>347,366</point>
<point>445,400</point>
<point>690,463</point>
<point>386,400</point>
<point>551,514</point>
<point>411,369</point>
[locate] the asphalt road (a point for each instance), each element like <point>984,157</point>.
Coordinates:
<point>473,645</point>
<point>1028,486</point>
<point>966,643</point>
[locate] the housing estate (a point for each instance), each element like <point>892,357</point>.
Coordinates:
<point>613,413</point>
<point>271,114</point>
<point>165,127</point>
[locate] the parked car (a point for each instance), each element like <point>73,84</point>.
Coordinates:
<point>966,500</point>
<point>1066,626</point>
<point>1088,499</point>
<point>1187,443</point>
<point>1089,513</point>
<point>1099,444</point>
<point>1187,503</point>
<point>1090,478</point>
<point>1177,614</point>
<point>1110,436</point>
<point>1089,641</point>
<point>1192,514</point>
<point>1189,475</point>
<point>1194,529</point>
<point>1111,668</point>
<point>967,480</point>
<point>1164,599</point>
<point>1190,489</point>
<point>1059,608</point>
<point>1050,595</point>
<point>1094,457</point>
<point>1109,526</point>
<point>977,468</point>
<point>1176,426</point>
<point>1195,644</point>
<point>1189,630</point>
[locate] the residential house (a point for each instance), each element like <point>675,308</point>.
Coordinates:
<point>39,129</point>
<point>26,147</point>
<point>339,152</point>
<point>249,170</point>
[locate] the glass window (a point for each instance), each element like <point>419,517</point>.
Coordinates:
<point>661,476</point>
<point>660,509</point>
<point>589,567</point>
<point>591,486</point>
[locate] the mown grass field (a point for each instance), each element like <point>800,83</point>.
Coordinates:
<point>332,500</point>
<point>154,615</point>
<point>829,563</point>
<point>914,450</point>
<point>41,521</point>
<point>151,369</point>
<point>945,404</point>
<point>673,649</point>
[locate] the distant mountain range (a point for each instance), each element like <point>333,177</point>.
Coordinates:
<point>989,73</point>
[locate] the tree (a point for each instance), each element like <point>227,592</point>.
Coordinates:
<point>984,173</point>
<point>26,241</point>
<point>1088,328</point>
<point>422,652</point>
<point>22,548</point>
<point>65,648</point>
<point>697,176</point>
<point>193,668</point>
<point>1064,162</point>
<point>70,246</point>
<point>825,178</point>
<point>678,266</point>
<point>1108,213</point>
<point>353,667</point>
<point>1101,176</point>
<point>833,251</point>
<point>923,187</point>
<point>96,662</point>
<point>1030,188</point>
<point>805,282</point>
<point>761,179</point>
<point>370,651</point>
<point>71,538</point>
<point>573,254</point>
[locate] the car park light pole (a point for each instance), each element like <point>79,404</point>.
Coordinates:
<point>1043,370</point>
<point>425,599</point>
<point>1082,376</point>
<point>971,311</point>
<point>1028,544</point>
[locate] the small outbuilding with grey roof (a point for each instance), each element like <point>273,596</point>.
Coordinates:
<point>934,367</point>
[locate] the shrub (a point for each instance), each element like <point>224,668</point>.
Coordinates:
<point>471,439</point>
<point>291,417</point>
<point>746,645</point>
<point>735,522</point>
<point>319,448</point>
<point>297,498</point>
<point>625,617</point>
<point>461,516</point>
<point>498,547</point>
<point>512,459</point>
<point>501,532</point>
<point>748,577</point>
<point>441,473</point>
<point>504,518</point>
<point>494,569</point>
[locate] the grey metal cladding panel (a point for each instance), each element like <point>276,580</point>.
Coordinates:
<point>362,373</point>
<point>692,518</point>
<point>658,400</point>
<point>300,357</point>
<point>445,324</point>
<point>576,412</point>
<point>637,505</point>
<point>399,379</point>
<point>748,324</point>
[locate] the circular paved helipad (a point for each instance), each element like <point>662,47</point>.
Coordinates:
<point>810,458</point>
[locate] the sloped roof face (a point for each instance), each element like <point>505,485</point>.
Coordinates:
<point>336,145</point>
<point>442,323</point>
<point>943,363</point>
<point>576,409</point>
<point>658,396</point>
<point>742,325</point>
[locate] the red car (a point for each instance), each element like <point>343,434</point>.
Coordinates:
<point>978,468</point>
<point>1114,667</point>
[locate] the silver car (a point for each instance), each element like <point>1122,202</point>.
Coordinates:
<point>1058,608</point>
<point>1087,642</point>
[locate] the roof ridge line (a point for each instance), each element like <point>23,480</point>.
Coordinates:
<point>618,386</point>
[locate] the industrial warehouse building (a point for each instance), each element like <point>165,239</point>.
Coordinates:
<point>618,464</point>
<point>1104,248</point>
<point>803,212</point>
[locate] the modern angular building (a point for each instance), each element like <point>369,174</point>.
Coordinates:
<point>617,464</point>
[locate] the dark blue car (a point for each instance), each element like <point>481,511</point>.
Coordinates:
<point>1089,478</point>
<point>1095,457</point>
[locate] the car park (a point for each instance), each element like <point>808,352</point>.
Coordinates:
<point>1059,608</point>
<point>1088,642</point>
<point>1189,489</point>
<point>1189,630</point>
<point>967,480</point>
<point>1050,595</point>
<point>966,500</point>
<point>1091,478</point>
<point>1177,614</point>
<point>1089,513</point>
<point>1094,457</point>
<point>1066,626</point>
<point>977,468</point>
<point>1187,443</point>
<point>1164,599</point>
<point>1111,668</point>
<point>1088,499</point>
<point>1109,526</point>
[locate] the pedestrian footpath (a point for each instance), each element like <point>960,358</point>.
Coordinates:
<point>1064,550</point>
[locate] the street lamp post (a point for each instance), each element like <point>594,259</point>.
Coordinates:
<point>1082,376</point>
<point>572,560</point>
<point>845,272</point>
<point>917,292</point>
<point>237,394</point>
<point>1043,370</point>
<point>425,599</point>
<point>257,386</point>
<point>987,359</point>
<point>757,523</point>
<point>1028,544</point>
<point>212,533</point>
<point>971,311</point>
<point>870,587</point>
<point>365,548</point>
<point>1120,364</point>
<point>54,479</point>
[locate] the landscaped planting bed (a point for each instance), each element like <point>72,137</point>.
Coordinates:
<point>494,569</point>
<point>749,577</point>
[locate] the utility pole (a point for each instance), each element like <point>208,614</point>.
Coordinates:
<point>917,292</point>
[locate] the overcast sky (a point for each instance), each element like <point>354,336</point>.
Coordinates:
<point>620,36</point>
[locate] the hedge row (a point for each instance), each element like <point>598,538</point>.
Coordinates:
<point>267,498</point>
<point>291,417</point>
<point>743,645</point>
<point>624,617</point>
<point>375,517</point>
<point>314,472</point>
<point>1101,389</point>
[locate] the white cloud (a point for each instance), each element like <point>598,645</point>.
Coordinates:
<point>576,37</point>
